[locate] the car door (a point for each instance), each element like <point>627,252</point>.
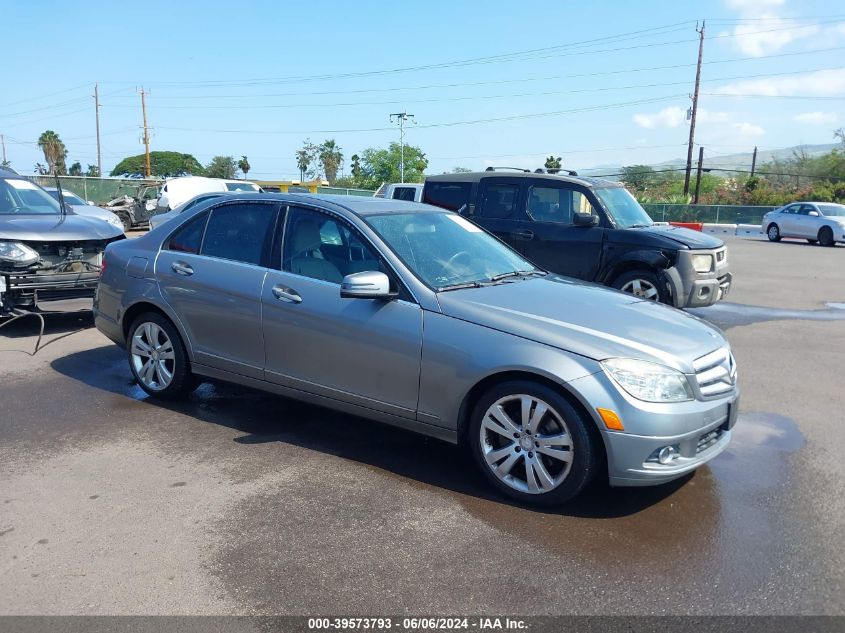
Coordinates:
<point>211,272</point>
<point>788,220</point>
<point>501,210</point>
<point>361,351</point>
<point>557,243</point>
<point>808,225</point>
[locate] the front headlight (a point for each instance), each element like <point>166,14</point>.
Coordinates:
<point>648,381</point>
<point>18,254</point>
<point>702,263</point>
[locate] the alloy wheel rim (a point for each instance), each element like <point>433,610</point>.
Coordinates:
<point>152,356</point>
<point>526,444</point>
<point>641,288</point>
<point>773,232</point>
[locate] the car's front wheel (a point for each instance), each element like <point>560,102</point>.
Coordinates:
<point>644,284</point>
<point>826,236</point>
<point>773,232</point>
<point>157,357</point>
<point>532,444</point>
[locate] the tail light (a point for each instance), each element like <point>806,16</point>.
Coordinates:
<point>103,265</point>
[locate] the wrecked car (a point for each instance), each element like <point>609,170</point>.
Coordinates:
<point>50,257</point>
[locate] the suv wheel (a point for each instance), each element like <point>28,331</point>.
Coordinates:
<point>644,284</point>
<point>826,236</point>
<point>531,444</point>
<point>773,232</point>
<point>157,357</point>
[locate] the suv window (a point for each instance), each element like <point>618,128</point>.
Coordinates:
<point>188,238</point>
<point>404,193</point>
<point>239,232</point>
<point>556,204</point>
<point>447,195</point>
<point>318,246</point>
<point>500,201</point>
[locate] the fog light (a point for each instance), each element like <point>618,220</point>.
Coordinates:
<point>666,454</point>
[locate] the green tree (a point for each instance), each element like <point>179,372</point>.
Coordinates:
<point>553,164</point>
<point>162,165</point>
<point>93,171</point>
<point>356,167</point>
<point>244,166</point>
<point>221,167</point>
<point>638,177</point>
<point>306,160</point>
<point>75,169</point>
<point>331,159</point>
<point>41,169</point>
<point>382,165</point>
<point>54,150</point>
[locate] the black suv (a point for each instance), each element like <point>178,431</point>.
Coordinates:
<point>591,229</point>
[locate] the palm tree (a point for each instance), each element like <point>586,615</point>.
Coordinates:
<point>553,164</point>
<point>331,158</point>
<point>243,165</point>
<point>303,161</point>
<point>54,151</point>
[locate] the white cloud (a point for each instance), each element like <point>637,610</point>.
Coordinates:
<point>821,83</point>
<point>748,129</point>
<point>816,118</point>
<point>675,116</point>
<point>769,35</point>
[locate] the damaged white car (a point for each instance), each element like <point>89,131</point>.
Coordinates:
<point>50,257</point>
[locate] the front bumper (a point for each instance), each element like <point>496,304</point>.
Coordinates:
<point>48,292</point>
<point>691,289</point>
<point>698,430</point>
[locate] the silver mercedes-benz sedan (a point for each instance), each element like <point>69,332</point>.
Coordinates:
<point>414,316</point>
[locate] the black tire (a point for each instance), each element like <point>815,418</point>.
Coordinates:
<point>644,280</point>
<point>126,220</point>
<point>182,381</point>
<point>812,241</point>
<point>826,236</point>
<point>773,232</point>
<point>585,443</point>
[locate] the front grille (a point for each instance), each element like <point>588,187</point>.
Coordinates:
<point>715,373</point>
<point>707,440</point>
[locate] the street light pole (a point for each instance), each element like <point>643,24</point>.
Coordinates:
<point>401,117</point>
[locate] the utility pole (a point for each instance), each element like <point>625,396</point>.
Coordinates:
<point>97,118</point>
<point>754,161</point>
<point>698,174</point>
<point>3,143</point>
<point>147,169</point>
<point>694,107</point>
<point>401,118</point>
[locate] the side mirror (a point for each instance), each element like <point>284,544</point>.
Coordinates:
<point>814,214</point>
<point>585,219</point>
<point>366,285</point>
<point>90,202</point>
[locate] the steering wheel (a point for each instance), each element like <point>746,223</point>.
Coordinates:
<point>450,263</point>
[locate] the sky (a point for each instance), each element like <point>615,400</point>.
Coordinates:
<point>488,83</point>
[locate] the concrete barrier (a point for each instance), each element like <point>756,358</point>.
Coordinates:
<point>748,229</point>
<point>720,229</point>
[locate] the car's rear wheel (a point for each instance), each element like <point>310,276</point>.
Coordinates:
<point>644,284</point>
<point>773,232</point>
<point>532,444</point>
<point>826,236</point>
<point>157,357</point>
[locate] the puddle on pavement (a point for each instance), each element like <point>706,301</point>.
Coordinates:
<point>727,315</point>
<point>721,517</point>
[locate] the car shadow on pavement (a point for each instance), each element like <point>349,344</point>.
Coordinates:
<point>262,418</point>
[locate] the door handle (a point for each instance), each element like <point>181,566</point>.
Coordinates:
<point>289,295</point>
<point>181,268</point>
<point>523,235</point>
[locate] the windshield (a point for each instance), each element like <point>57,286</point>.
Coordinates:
<point>623,207</point>
<point>832,209</point>
<point>21,197</point>
<point>70,198</point>
<point>241,186</point>
<point>445,250</point>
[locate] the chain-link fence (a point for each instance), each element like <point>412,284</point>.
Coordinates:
<point>711,213</point>
<point>97,190</point>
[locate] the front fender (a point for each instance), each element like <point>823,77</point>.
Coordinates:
<point>650,258</point>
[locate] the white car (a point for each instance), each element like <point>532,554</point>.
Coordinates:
<point>816,222</point>
<point>179,190</point>
<point>409,191</point>
<point>85,207</point>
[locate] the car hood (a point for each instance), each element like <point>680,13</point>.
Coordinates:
<point>90,211</point>
<point>687,237</point>
<point>586,319</point>
<point>56,228</point>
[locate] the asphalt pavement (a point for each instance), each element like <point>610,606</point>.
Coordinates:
<point>237,502</point>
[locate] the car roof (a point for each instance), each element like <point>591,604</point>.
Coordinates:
<point>475,176</point>
<point>9,173</point>
<point>358,205</point>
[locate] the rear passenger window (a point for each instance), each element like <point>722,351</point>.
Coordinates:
<point>189,238</point>
<point>404,193</point>
<point>447,195</point>
<point>500,201</point>
<point>240,232</point>
<point>556,204</point>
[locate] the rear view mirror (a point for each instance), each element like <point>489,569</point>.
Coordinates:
<point>585,219</point>
<point>366,285</point>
